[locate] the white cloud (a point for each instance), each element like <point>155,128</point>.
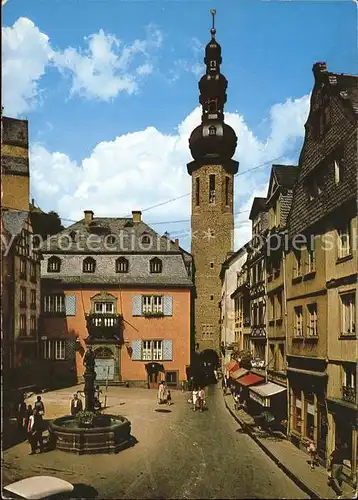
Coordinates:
<point>26,53</point>
<point>101,71</point>
<point>193,64</point>
<point>144,168</point>
<point>108,67</point>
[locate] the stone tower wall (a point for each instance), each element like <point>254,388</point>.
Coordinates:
<point>210,252</point>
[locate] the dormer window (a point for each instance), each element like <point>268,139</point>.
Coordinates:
<point>111,239</point>
<point>212,130</point>
<point>122,265</point>
<point>146,239</point>
<point>89,265</point>
<point>156,265</point>
<point>54,265</point>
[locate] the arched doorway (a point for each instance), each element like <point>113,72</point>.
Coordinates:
<point>104,363</point>
<point>211,358</point>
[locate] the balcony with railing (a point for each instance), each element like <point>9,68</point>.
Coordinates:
<point>349,394</point>
<point>104,326</point>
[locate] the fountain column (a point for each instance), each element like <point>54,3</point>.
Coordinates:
<point>89,376</point>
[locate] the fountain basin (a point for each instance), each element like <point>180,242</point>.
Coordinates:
<point>110,434</point>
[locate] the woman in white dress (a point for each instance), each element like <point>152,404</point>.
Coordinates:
<point>195,398</point>
<point>161,391</point>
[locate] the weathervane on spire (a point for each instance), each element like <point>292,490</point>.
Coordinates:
<point>213,30</point>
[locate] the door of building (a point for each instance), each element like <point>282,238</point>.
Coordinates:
<point>104,364</point>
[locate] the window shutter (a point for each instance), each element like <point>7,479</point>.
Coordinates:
<point>70,349</point>
<point>168,305</point>
<point>167,350</point>
<point>136,350</point>
<point>137,305</point>
<point>70,305</point>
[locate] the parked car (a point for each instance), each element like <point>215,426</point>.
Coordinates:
<point>38,487</point>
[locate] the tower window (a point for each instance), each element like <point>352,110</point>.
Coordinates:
<point>211,297</point>
<point>213,106</point>
<point>213,64</point>
<point>212,188</point>
<point>227,185</point>
<point>211,264</point>
<point>197,191</point>
<point>212,130</point>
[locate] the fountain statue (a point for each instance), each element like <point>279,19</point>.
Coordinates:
<point>90,432</point>
<point>89,375</point>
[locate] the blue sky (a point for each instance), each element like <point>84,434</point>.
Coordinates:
<point>89,142</point>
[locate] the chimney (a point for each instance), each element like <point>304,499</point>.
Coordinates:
<point>88,217</point>
<point>319,69</point>
<point>137,215</point>
<point>33,202</point>
<point>177,243</point>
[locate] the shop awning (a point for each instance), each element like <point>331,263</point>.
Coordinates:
<point>263,393</point>
<point>238,373</point>
<point>232,366</point>
<point>250,379</point>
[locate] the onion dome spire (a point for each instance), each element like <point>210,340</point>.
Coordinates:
<point>213,138</point>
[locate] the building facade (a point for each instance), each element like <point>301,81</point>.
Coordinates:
<point>278,203</point>
<point>231,334</point>
<point>118,286</point>
<point>322,272</point>
<point>21,262</point>
<point>257,275</point>
<point>212,145</point>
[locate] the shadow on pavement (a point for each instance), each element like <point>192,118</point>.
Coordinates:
<point>162,410</point>
<point>84,491</point>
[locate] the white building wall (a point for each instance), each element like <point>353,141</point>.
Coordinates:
<point>227,303</point>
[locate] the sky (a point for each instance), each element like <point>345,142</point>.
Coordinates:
<point>110,91</point>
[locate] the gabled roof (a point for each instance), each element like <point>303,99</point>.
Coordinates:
<point>115,226</point>
<point>258,205</point>
<point>286,175</point>
<point>282,177</point>
<point>344,86</point>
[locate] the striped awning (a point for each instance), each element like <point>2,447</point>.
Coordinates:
<point>231,366</point>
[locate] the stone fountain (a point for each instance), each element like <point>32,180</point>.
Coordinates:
<point>90,431</point>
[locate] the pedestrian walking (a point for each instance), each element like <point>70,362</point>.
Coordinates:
<point>336,467</point>
<point>160,396</point>
<point>76,405</point>
<point>29,411</point>
<point>182,385</point>
<point>195,398</point>
<point>312,451</point>
<point>169,398</point>
<point>34,430</point>
<point>201,399</point>
<point>21,414</point>
<point>39,407</point>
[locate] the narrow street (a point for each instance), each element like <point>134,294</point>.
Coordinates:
<point>179,454</point>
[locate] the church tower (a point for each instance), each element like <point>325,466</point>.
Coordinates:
<point>212,145</point>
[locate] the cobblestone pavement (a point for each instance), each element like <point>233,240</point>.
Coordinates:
<point>179,454</point>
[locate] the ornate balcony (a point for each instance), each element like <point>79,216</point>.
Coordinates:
<point>349,394</point>
<point>104,326</point>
